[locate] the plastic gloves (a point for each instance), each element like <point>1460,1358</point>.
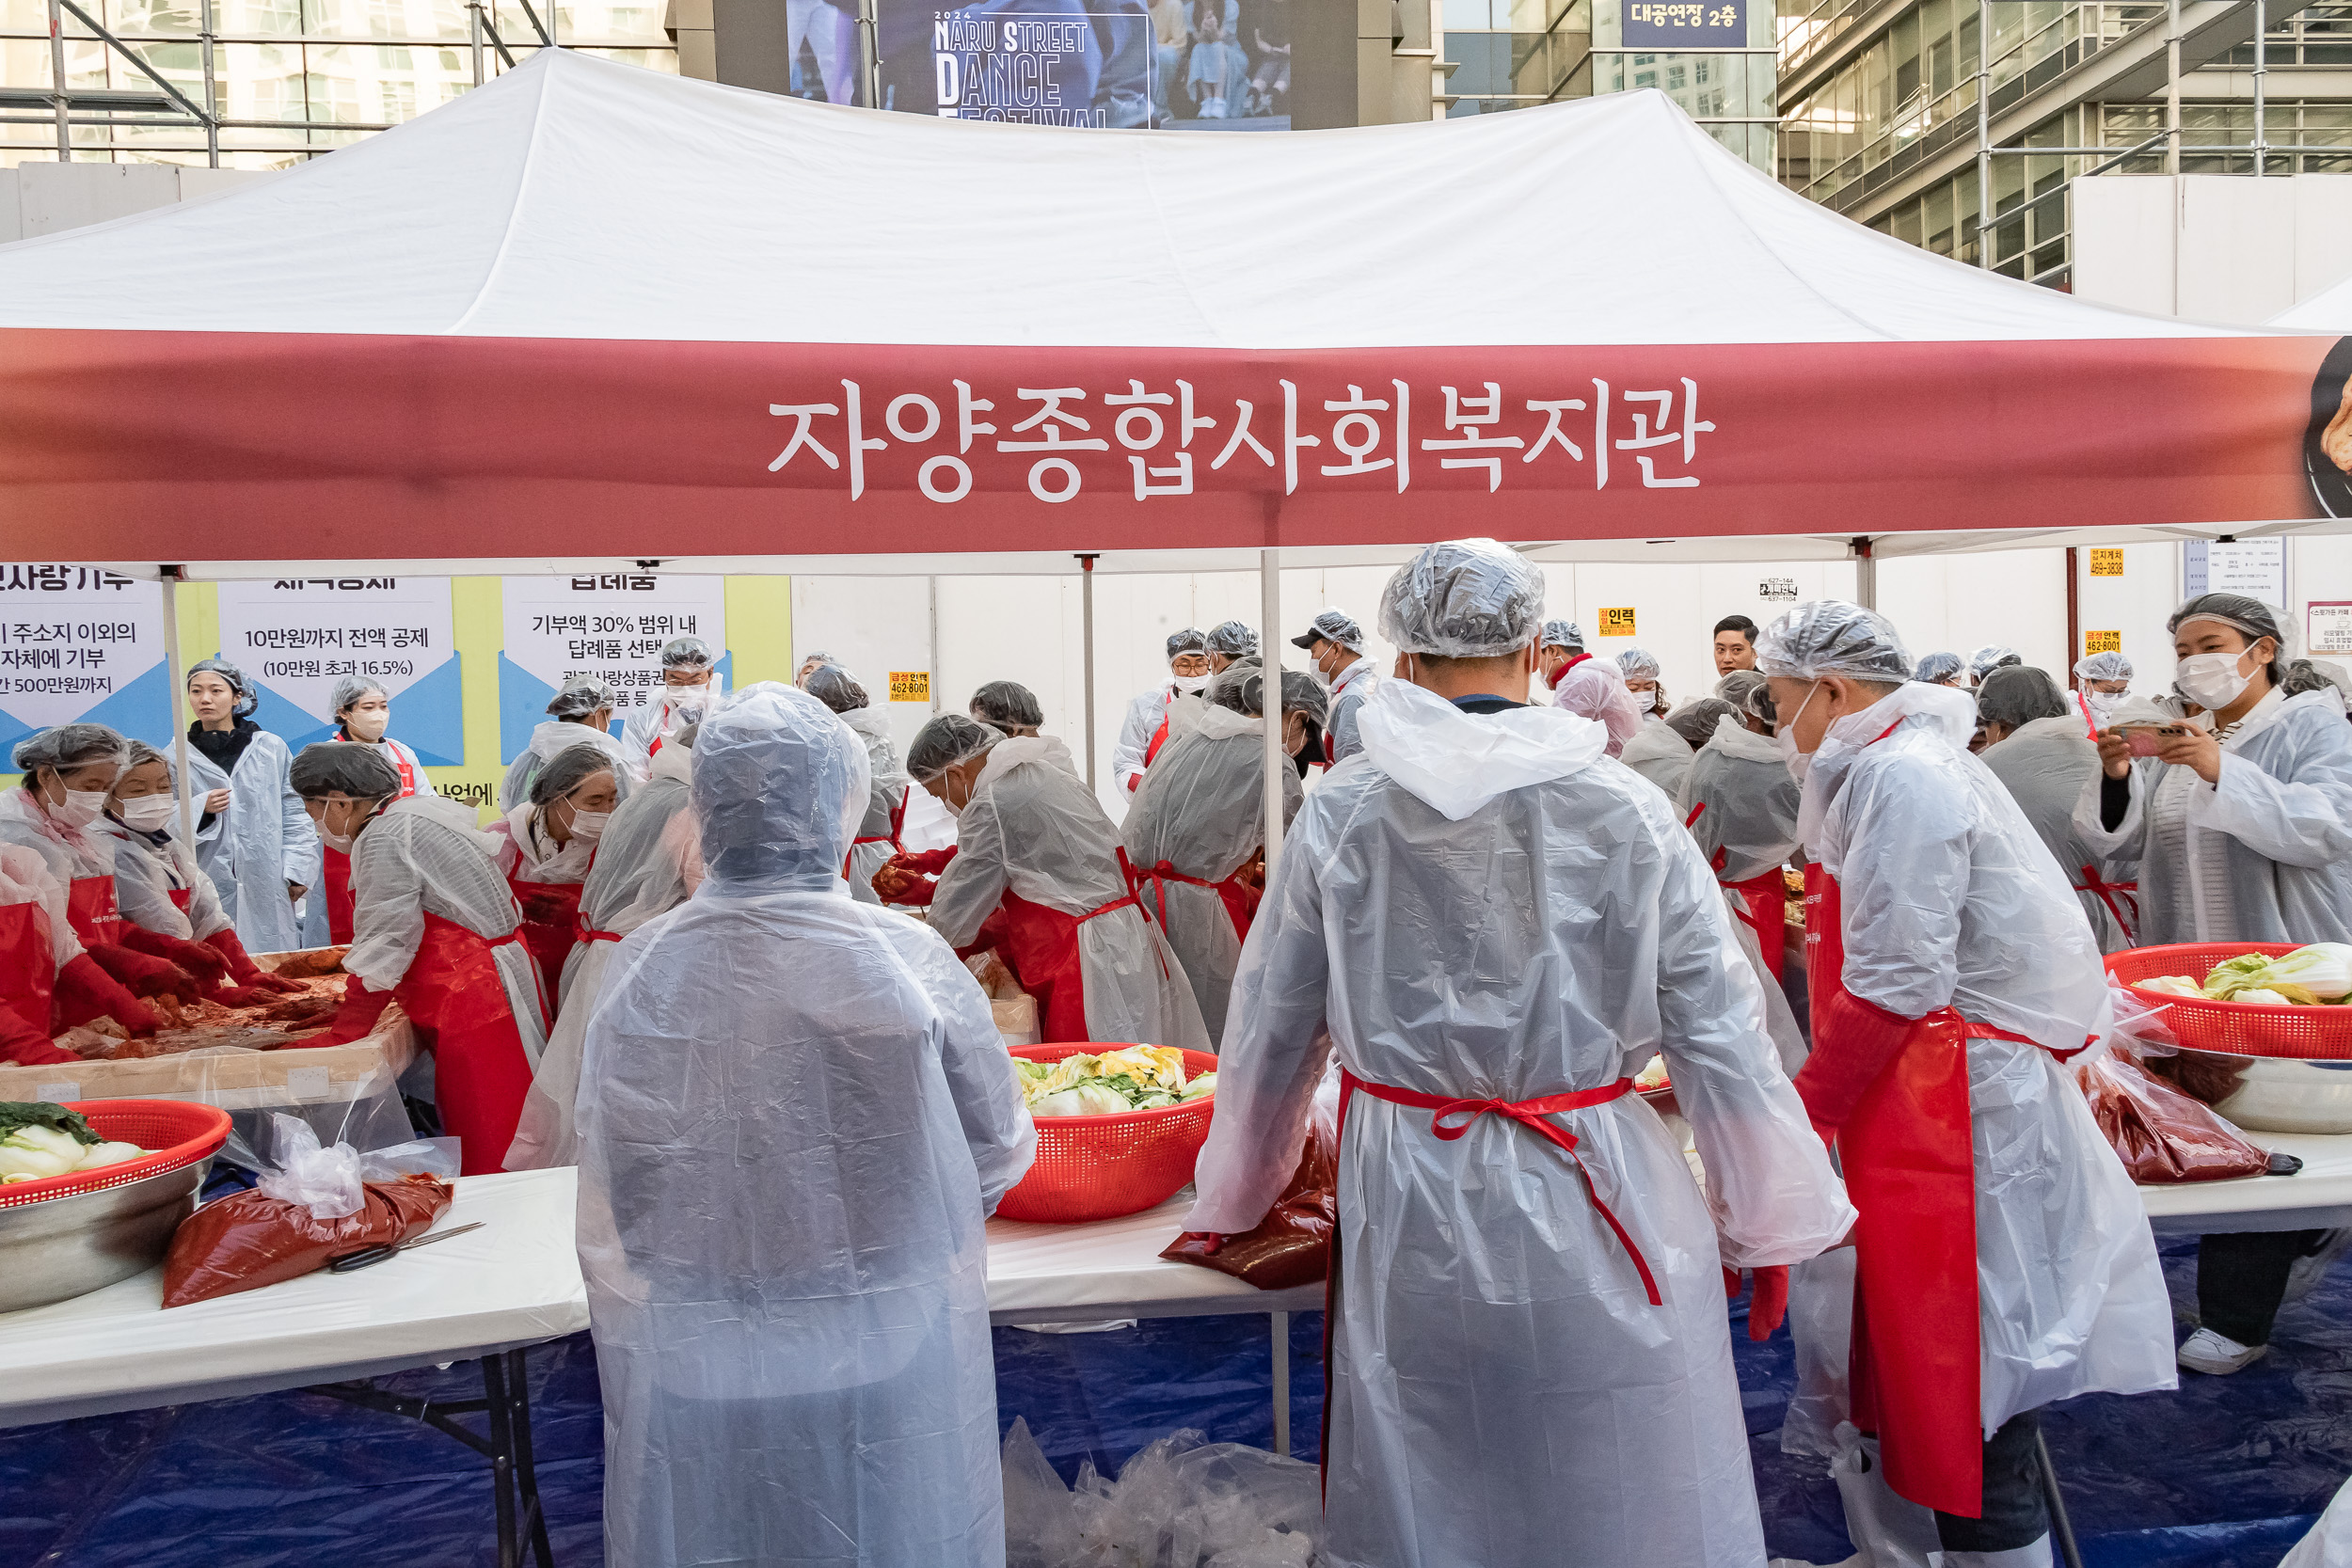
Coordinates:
<point>1769,1304</point>
<point>357,1015</point>
<point>242,968</point>
<point>1856,1045</point>
<point>85,991</point>
<point>143,975</point>
<point>206,963</point>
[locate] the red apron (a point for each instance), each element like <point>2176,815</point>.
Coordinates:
<point>898,825</point>
<point>550,940</point>
<point>1765,898</point>
<point>335,865</point>
<point>1159,738</point>
<point>90,909</point>
<point>1240,899</point>
<point>29,962</point>
<point>481,1071</point>
<point>1040,947</point>
<point>2121,900</point>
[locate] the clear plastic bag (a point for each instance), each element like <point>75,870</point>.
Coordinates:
<point>2161,1135</point>
<point>1180,1503</point>
<point>325,1180</point>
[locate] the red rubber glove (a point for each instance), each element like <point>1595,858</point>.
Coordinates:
<point>927,862</point>
<point>205,963</point>
<point>145,976</point>
<point>1769,1304</point>
<point>357,1015</point>
<point>894,884</point>
<point>241,966</point>
<point>245,996</point>
<point>85,991</point>
<point>1855,1045</point>
<point>25,1046</point>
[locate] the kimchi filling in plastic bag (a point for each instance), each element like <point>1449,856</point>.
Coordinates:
<point>252,1240</point>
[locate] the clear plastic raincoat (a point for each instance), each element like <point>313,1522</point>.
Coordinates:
<point>68,855</point>
<point>149,869</point>
<point>647,864</point>
<point>795,1114</point>
<point>1751,816</point>
<point>645,734</point>
<point>263,841</point>
<point>1949,899</point>
<point>2046,763</point>
<point>1146,712</point>
<point>1659,756</point>
<point>1035,843</point>
<point>1479,909</point>
<point>2278,824</point>
<point>1349,688</point>
<point>1201,816</point>
<point>318,927</point>
<point>879,834</point>
<point>1592,688</point>
<point>550,737</point>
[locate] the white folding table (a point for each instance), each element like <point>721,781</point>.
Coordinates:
<point>2317,1198</point>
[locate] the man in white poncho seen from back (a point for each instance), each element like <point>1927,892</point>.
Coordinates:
<point>1496,929</point>
<point>795,1116</point>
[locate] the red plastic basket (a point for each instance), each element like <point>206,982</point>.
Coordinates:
<point>179,1132</point>
<point>1101,1167</point>
<point>2235,1028</point>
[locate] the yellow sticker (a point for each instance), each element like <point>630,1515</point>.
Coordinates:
<point>1618,622</point>
<point>2106,563</point>
<point>909,686</point>
<point>2103,642</point>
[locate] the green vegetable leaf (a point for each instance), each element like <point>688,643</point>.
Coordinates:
<point>40,1113</point>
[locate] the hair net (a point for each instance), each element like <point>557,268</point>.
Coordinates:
<point>1637,664</point>
<point>1596,690</point>
<point>836,687</point>
<point>351,768</point>
<point>2303,676</point>
<point>1333,625</point>
<point>1989,658</point>
<point>579,698</point>
<point>687,653</point>
<point>71,746</point>
<point>352,687</point>
<point>1563,634</point>
<point>1463,599</point>
<point>247,699</point>
<point>1738,686</point>
<point>1300,694</point>
<point>2017,694</point>
<point>1759,703</point>
<point>567,771</point>
<point>1189,641</point>
<point>2251,616</point>
<point>779,787</point>
<point>1938,668</point>
<point>1695,722</point>
<point>1229,688</point>
<point>1233,638</point>
<point>946,740</point>
<point>138,753</point>
<point>2102,667</point>
<point>1006,703</point>
<point>1830,637</point>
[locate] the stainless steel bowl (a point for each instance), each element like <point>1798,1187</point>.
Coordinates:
<point>2266,1094</point>
<point>68,1246</point>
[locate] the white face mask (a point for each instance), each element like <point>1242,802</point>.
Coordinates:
<point>2212,681</point>
<point>150,813</point>
<point>688,699</point>
<point>1800,762</point>
<point>1646,701</point>
<point>80,807</point>
<point>590,824</point>
<point>1191,685</point>
<point>342,843</point>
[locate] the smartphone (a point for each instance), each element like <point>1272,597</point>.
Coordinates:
<point>2148,740</point>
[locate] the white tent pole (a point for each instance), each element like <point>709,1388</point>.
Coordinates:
<point>1270,702</point>
<point>1085,601</point>
<point>1866,574</point>
<point>179,698</point>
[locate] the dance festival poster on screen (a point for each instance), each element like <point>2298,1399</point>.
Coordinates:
<point>1200,65</point>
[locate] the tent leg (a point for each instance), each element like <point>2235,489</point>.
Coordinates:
<point>1269,648</point>
<point>1278,1325</point>
<point>179,697</point>
<point>1085,600</point>
<point>1866,574</point>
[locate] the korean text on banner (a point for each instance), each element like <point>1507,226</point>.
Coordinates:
<point>2255,568</point>
<point>80,642</point>
<point>609,626</point>
<point>1685,24</point>
<point>2106,562</point>
<point>2103,642</point>
<point>1618,622</point>
<point>298,638</point>
<point>909,686</point>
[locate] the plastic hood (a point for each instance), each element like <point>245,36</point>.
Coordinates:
<point>1456,762</point>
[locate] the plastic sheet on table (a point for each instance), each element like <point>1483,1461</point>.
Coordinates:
<point>1182,1502</point>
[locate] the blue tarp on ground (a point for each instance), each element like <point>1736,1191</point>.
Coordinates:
<point>2225,1474</point>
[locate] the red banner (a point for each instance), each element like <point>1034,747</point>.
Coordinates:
<point>254,446</point>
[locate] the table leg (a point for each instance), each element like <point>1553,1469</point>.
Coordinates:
<point>2062,1528</point>
<point>535,1521</point>
<point>1280,1324</point>
<point>502,1458</point>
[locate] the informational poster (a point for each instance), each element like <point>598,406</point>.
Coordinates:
<point>2329,623</point>
<point>298,638</point>
<point>2101,642</point>
<point>1618,622</point>
<point>1777,589</point>
<point>1203,65</point>
<point>609,625</point>
<point>2106,562</point>
<point>1670,24</point>
<point>909,686</point>
<point>79,642</point>
<point>2255,568</point>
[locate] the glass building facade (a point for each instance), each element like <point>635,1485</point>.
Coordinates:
<point>286,79</point>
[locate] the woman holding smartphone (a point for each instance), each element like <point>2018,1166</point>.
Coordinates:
<point>2242,826</point>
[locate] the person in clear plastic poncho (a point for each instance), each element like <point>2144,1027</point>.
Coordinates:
<point>363,712</point>
<point>252,839</point>
<point>2038,744</point>
<point>795,1116</point>
<point>1941,668</point>
<point>879,835</point>
<point>1953,970</point>
<point>1740,804</point>
<point>1139,733</point>
<point>582,712</point>
<point>1594,688</point>
<point>648,863</point>
<point>1035,873</point>
<point>1482,910</point>
<point>1195,839</point>
<point>1335,645</point>
<point>435,924</point>
<point>2240,826</point>
<point>547,846</point>
<point>690,684</point>
<point>2106,680</point>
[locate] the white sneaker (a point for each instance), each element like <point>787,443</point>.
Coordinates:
<point>2304,1273</point>
<point>2218,1354</point>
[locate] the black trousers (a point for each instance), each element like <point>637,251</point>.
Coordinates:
<point>2242,1277</point>
<point>2016,1513</point>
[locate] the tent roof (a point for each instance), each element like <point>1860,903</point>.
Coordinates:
<point>2328,311</point>
<point>577,198</point>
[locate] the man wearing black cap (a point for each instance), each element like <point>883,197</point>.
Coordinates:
<point>1337,644</point>
<point>1189,672</point>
